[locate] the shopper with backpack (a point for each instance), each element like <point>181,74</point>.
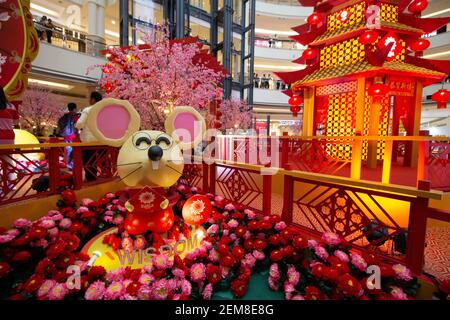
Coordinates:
<point>66,128</point>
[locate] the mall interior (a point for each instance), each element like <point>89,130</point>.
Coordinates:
<point>345,157</point>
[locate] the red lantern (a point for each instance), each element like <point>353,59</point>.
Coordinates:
<point>441,97</point>
<point>295,100</point>
<point>295,110</point>
<point>378,89</point>
<point>368,37</point>
<point>418,6</point>
<point>309,54</point>
<point>419,44</point>
<point>197,210</point>
<point>314,19</point>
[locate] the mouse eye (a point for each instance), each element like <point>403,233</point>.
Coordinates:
<point>164,142</point>
<point>142,141</point>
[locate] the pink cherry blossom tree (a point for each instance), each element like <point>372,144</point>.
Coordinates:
<point>160,75</point>
<point>236,114</point>
<point>39,109</point>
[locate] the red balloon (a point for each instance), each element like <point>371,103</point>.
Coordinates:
<point>418,6</point>
<point>309,54</point>
<point>138,222</point>
<point>314,19</point>
<point>368,37</point>
<point>419,44</point>
<point>197,210</point>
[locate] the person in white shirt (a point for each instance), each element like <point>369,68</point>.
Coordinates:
<point>90,171</point>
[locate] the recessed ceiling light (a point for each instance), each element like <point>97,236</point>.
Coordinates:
<point>44,10</point>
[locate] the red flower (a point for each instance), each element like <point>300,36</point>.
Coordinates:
<point>370,258</point>
<point>75,227</point>
<point>71,240</point>
<point>237,216</point>
<point>213,274</point>
<point>33,283</point>
<point>68,212</point>
<point>87,215</point>
<point>287,251</point>
<point>96,272</point>
<point>227,260</point>
<point>83,256</point>
<point>273,218</point>
<point>240,231</point>
<point>62,262</point>
<point>274,239</point>
<point>225,239</point>
<point>3,230</point>
<point>349,285</point>
<point>217,216</point>
<point>158,273</point>
<point>4,269</point>
<point>249,244</point>
<point>286,234</point>
<point>444,286</point>
<point>222,248</point>
<point>337,264</point>
<point>56,248</point>
<point>312,293</point>
<point>265,225</point>
<point>300,242</point>
<point>133,288</point>
<point>85,283</point>
<point>330,274</point>
<point>276,255</point>
<point>260,244</point>
<point>387,271</point>
<point>45,267</point>
<point>17,297</point>
<point>21,256</point>
<point>317,271</point>
<point>253,225</point>
<point>37,232</point>
<point>238,252</point>
<point>21,241</point>
<point>60,276</point>
<point>238,287</point>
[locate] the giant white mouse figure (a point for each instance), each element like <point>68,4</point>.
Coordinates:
<point>148,160</point>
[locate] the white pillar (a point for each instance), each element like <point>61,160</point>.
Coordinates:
<point>100,21</point>
<point>92,16</point>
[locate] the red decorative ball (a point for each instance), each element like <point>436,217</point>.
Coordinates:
<point>368,37</point>
<point>69,197</point>
<point>197,210</point>
<point>419,44</point>
<point>309,54</point>
<point>314,19</point>
<point>418,6</point>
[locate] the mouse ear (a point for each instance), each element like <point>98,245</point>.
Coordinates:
<point>113,121</point>
<point>186,125</point>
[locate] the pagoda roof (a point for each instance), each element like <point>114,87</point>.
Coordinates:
<point>356,69</point>
<point>345,31</point>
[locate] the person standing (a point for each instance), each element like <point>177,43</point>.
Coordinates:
<point>49,30</point>
<point>40,27</point>
<point>9,118</point>
<point>90,171</point>
<point>66,128</point>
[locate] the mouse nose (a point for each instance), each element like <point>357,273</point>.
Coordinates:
<point>155,153</point>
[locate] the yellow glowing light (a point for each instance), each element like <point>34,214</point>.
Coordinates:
<point>25,137</point>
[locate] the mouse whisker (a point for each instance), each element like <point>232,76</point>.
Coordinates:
<point>174,169</point>
<point>130,173</point>
<point>128,164</point>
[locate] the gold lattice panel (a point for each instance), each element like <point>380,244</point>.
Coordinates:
<point>341,122</point>
<point>383,129</point>
<point>389,12</point>
<point>331,89</point>
<point>342,54</point>
<point>355,14</point>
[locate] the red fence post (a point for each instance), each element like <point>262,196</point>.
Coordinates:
<point>212,178</point>
<point>205,184</point>
<point>267,194</point>
<point>53,169</point>
<point>77,170</point>
<point>284,153</point>
<point>417,227</point>
<point>288,199</point>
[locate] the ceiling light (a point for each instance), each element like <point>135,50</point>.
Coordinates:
<point>433,55</point>
<point>113,21</point>
<point>270,67</point>
<point>276,32</point>
<point>44,10</point>
<point>50,84</point>
<point>436,13</point>
<point>112,33</point>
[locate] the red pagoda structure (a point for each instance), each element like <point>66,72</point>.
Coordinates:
<point>364,73</point>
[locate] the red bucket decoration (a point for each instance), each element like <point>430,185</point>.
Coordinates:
<point>197,210</point>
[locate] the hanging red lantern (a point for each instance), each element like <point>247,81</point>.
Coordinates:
<point>295,110</point>
<point>378,90</point>
<point>419,44</point>
<point>309,54</point>
<point>314,19</point>
<point>368,37</point>
<point>197,210</point>
<point>441,97</point>
<point>418,6</point>
<point>295,100</point>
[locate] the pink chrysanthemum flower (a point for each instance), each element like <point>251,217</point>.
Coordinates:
<point>95,291</point>
<point>198,272</point>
